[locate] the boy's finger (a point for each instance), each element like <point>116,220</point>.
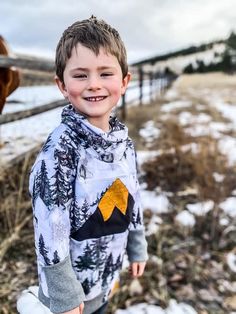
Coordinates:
<point>140,269</point>
<point>134,269</point>
<point>81,308</point>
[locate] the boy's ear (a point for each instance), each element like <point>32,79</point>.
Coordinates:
<point>125,82</point>
<point>61,86</point>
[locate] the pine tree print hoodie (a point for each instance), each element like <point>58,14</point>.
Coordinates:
<point>87,212</point>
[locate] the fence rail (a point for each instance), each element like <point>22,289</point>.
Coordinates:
<point>15,116</point>
<point>27,63</point>
<point>143,79</point>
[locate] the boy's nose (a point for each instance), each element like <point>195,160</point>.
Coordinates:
<point>94,83</point>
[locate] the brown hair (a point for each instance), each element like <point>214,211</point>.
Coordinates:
<point>93,34</point>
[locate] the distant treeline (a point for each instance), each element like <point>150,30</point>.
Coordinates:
<point>227,63</point>
<point>182,52</point>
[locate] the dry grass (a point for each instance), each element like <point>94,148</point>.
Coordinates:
<point>204,81</point>
<point>18,269</point>
<point>177,169</point>
<point>137,116</point>
<point>188,264</point>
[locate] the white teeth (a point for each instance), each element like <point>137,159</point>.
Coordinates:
<point>95,98</point>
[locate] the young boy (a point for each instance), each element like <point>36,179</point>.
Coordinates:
<point>84,184</point>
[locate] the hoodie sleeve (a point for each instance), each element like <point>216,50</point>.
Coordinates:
<point>51,189</point>
<point>137,244</point>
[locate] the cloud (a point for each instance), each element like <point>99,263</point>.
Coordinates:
<point>148,27</point>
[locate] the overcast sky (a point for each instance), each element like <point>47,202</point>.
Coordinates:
<point>148,27</point>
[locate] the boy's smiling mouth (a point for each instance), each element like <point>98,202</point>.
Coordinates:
<point>95,98</point>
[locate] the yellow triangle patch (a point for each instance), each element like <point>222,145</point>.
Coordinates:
<point>115,196</point>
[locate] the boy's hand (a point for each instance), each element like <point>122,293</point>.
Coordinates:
<point>137,268</point>
<point>77,310</point>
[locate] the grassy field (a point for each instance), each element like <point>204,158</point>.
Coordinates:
<point>190,263</point>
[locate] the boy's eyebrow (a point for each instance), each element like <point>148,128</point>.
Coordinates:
<point>99,68</point>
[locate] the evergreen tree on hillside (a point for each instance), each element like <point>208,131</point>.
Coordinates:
<point>189,69</point>
<point>231,52</point>
<point>226,64</point>
<point>231,41</point>
<point>201,67</point>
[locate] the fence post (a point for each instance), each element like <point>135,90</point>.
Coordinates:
<point>140,86</point>
<point>157,85</point>
<point>162,84</point>
<point>150,86</point>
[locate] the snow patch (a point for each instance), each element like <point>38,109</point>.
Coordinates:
<point>228,111</point>
<point>144,156</point>
<point>31,96</point>
<point>188,118</point>
<point>153,225</point>
<point>200,209</point>
<point>229,206</point>
<point>20,136</point>
<point>173,308</point>
<point>149,132</point>
<point>178,104</point>
<point>185,218</point>
<point>193,147</point>
<point>156,203</point>
<point>227,146</point>
<point>218,177</point>
<point>231,261</point>
<point>171,94</point>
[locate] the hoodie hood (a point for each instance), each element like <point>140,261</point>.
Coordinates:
<point>108,146</point>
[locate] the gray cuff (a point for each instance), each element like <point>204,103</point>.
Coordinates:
<point>65,291</point>
<point>137,246</point>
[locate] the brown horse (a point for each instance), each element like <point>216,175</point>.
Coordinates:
<point>9,77</point>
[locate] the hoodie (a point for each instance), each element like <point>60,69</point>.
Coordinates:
<point>87,212</point>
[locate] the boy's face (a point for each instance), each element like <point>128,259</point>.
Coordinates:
<point>93,84</point>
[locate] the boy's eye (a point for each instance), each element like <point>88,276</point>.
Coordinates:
<point>107,74</point>
<point>80,76</point>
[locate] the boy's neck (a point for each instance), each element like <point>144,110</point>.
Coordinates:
<point>103,125</point>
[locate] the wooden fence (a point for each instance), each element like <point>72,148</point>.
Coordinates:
<point>157,83</point>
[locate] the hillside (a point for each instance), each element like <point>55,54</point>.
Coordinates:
<point>214,56</point>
